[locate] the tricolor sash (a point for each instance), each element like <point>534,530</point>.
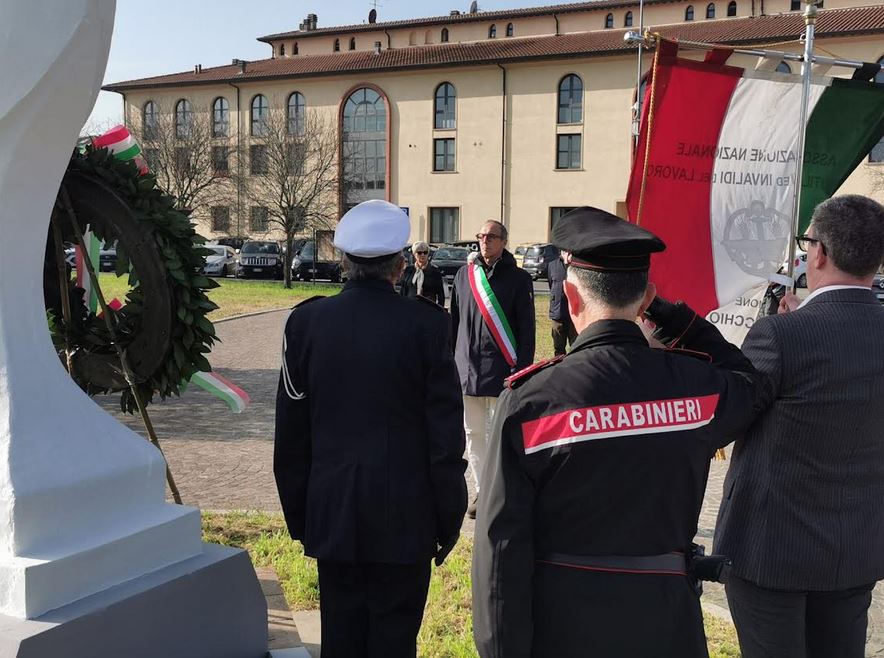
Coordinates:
<point>493,314</point>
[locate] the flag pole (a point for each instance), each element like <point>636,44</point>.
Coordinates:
<point>810,16</point>
<point>636,121</point>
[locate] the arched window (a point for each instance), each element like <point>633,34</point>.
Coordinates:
<point>220,117</point>
<point>352,43</point>
<point>492,32</point>
<point>183,118</point>
<point>260,116</point>
<point>364,133</point>
<point>689,13</point>
<point>732,8</point>
<point>445,107</point>
<point>444,38</point>
<point>877,153</point>
<point>783,67</point>
<point>710,10</point>
<point>150,117</point>
<point>296,112</point>
<point>337,46</point>
<point>609,21</point>
<point>570,99</point>
<point>627,20</point>
<point>509,29</point>
<point>282,50</point>
<point>295,48</point>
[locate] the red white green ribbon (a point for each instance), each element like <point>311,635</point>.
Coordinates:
<point>119,141</point>
<point>493,314</point>
<point>92,252</point>
<point>236,398</point>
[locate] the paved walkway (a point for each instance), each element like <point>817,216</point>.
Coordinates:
<point>223,461</point>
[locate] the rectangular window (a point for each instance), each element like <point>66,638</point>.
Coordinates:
<point>297,153</point>
<point>182,158</point>
<point>443,159</point>
<point>555,214</point>
<point>220,219</point>
<point>444,224</point>
<point>568,152</point>
<point>220,162</point>
<point>795,5</point>
<point>258,219</point>
<point>152,158</point>
<point>877,152</point>
<point>258,159</point>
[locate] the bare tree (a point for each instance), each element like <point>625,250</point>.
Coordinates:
<point>191,156</point>
<point>293,173</point>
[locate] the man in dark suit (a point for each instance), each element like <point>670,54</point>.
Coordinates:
<point>369,442</point>
<point>802,512</point>
<point>563,331</point>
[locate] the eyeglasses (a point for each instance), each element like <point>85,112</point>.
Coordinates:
<point>804,240</point>
<point>421,253</point>
<point>482,237</point>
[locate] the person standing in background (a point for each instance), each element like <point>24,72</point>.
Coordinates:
<point>563,331</point>
<point>492,312</point>
<point>422,278</point>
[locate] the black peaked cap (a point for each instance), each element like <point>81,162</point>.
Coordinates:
<point>598,240</point>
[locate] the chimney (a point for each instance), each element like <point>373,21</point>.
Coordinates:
<point>377,47</point>
<point>198,69</point>
<point>313,20</point>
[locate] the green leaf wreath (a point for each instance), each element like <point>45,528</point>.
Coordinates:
<point>162,325</point>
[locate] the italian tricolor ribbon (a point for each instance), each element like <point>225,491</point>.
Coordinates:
<point>92,251</point>
<point>222,388</point>
<point>493,314</point>
<point>119,141</point>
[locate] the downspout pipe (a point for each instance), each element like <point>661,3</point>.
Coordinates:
<point>389,42</point>
<point>503,145</point>
<point>239,159</point>
<point>556,17</point>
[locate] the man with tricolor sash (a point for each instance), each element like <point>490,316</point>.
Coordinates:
<point>597,466</point>
<point>492,311</point>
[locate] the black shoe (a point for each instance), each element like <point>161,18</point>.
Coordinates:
<point>471,510</point>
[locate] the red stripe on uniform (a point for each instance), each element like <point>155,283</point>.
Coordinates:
<point>613,420</point>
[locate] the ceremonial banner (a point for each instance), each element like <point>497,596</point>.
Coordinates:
<point>714,172</point>
<point>92,252</point>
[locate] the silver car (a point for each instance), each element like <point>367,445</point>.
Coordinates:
<point>221,262</point>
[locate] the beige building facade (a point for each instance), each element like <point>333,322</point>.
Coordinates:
<point>460,123</point>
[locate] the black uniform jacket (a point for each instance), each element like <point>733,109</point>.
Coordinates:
<point>604,452</point>
<point>433,288</point>
<point>480,362</point>
<point>369,442</point>
<point>558,305</point>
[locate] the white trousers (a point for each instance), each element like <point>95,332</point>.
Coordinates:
<point>477,414</point>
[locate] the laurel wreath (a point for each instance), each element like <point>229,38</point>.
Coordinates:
<point>192,334</point>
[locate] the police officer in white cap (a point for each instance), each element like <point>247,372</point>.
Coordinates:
<point>369,442</point>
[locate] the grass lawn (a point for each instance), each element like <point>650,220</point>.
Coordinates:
<point>447,627</point>
<point>236,296</point>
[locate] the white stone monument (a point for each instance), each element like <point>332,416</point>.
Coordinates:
<point>90,552</point>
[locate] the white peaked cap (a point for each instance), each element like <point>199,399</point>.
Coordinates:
<point>372,229</point>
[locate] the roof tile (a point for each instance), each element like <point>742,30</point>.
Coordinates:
<point>731,31</point>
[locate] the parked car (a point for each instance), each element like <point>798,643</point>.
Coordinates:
<point>472,245</point>
<point>221,262</point>
<point>450,259</point>
<point>307,266</point>
<point>537,259</point>
<point>233,241</point>
<point>519,253</point>
<point>878,286</point>
<point>107,257</point>
<point>261,258</point>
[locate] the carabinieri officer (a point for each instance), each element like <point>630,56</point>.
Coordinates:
<point>369,443</point>
<point>597,466</point>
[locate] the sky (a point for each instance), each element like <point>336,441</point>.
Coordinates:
<point>171,36</point>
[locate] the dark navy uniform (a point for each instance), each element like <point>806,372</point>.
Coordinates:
<point>369,458</point>
<point>594,481</point>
